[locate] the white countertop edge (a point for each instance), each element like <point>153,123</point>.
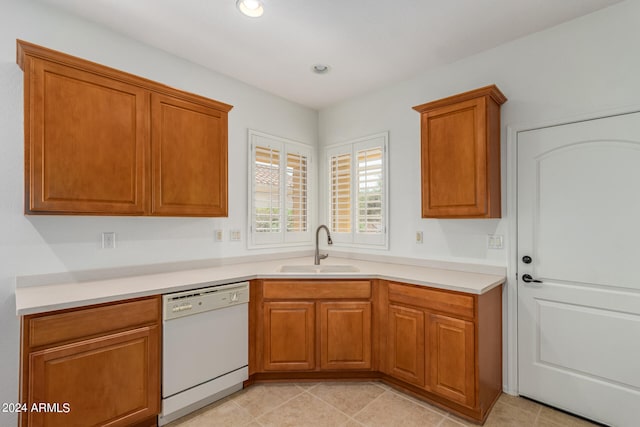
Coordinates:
<point>51,297</point>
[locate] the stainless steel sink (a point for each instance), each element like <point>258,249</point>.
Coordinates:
<point>327,268</point>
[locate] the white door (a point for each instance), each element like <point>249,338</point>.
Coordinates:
<point>579,222</point>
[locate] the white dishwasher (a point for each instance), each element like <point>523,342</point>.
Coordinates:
<point>205,347</point>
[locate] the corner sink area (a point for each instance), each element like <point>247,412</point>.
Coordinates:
<point>328,268</point>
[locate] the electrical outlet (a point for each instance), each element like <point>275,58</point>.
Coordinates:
<point>495,241</point>
<point>419,238</point>
<point>218,235</point>
<point>108,240</point>
<point>234,235</point>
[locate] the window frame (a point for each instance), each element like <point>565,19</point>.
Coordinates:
<point>355,238</point>
<point>282,238</point>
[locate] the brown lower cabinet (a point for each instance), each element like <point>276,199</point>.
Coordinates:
<point>310,325</point>
<point>98,365</point>
<point>442,346</point>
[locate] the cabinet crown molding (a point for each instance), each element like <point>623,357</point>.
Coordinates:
<point>492,91</point>
<point>26,49</point>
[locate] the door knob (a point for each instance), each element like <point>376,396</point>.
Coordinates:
<point>528,279</point>
<point>526,259</point>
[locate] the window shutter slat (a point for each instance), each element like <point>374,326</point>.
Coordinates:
<point>370,191</point>
<point>296,193</point>
<point>266,195</point>
<point>341,193</point>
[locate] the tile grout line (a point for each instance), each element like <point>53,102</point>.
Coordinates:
<point>350,417</point>
<point>281,404</point>
<point>308,391</point>
<point>391,391</point>
<point>537,419</point>
<point>420,403</point>
<point>253,419</point>
<point>536,413</point>
<point>448,417</point>
<point>384,390</point>
<point>368,404</point>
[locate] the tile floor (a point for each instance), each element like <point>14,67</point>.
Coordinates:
<point>369,404</point>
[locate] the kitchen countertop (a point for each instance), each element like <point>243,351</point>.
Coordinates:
<point>38,299</point>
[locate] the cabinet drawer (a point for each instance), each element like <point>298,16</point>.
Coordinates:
<point>316,289</point>
<point>109,380</point>
<point>449,302</point>
<point>86,322</point>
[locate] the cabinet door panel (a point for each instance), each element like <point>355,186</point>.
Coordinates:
<point>110,380</point>
<point>189,161</point>
<point>451,358</point>
<point>454,160</point>
<point>86,143</point>
<point>345,335</point>
<point>289,336</point>
<point>406,336</point>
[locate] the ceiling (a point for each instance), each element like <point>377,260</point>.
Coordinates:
<point>366,44</point>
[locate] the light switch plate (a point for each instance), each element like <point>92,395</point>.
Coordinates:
<point>495,241</point>
<point>218,235</point>
<point>235,235</point>
<point>419,237</point>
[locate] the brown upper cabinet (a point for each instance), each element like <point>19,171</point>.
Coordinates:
<point>99,141</point>
<point>460,155</point>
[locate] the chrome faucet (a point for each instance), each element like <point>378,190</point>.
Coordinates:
<point>318,257</point>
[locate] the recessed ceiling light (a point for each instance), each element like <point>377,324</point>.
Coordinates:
<point>320,69</point>
<point>251,8</point>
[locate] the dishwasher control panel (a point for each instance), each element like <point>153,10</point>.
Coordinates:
<point>204,299</point>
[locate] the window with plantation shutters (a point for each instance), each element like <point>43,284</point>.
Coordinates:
<point>358,192</point>
<point>279,191</point>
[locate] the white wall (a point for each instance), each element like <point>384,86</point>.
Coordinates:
<point>587,65</point>
<point>46,244</point>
